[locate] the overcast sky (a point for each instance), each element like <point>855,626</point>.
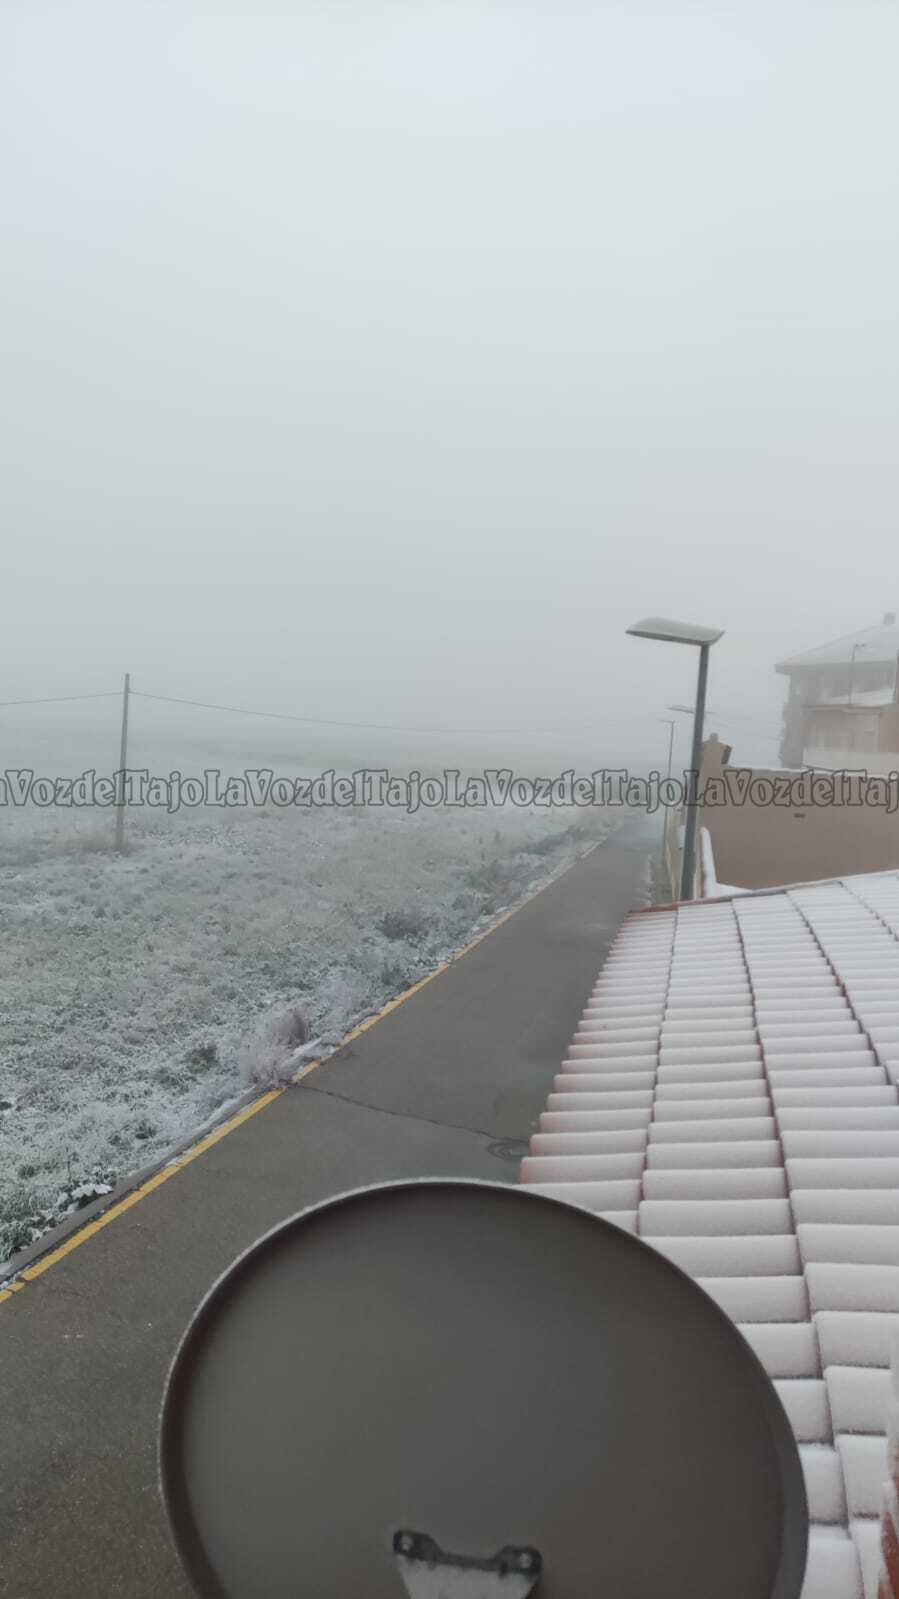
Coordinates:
<point>387,360</point>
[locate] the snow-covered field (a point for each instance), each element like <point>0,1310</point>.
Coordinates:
<point>139,992</point>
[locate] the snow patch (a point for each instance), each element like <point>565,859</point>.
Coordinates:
<point>142,994</point>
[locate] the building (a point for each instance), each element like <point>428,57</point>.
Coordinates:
<point>762,827</point>
<point>842,700</point>
<point>731,1097</point>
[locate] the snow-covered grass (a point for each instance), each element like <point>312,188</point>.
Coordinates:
<point>141,993</point>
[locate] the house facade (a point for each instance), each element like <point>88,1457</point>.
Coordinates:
<point>843,699</point>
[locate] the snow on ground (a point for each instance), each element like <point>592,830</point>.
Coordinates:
<point>138,993</point>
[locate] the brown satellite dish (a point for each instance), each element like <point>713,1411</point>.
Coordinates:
<point>460,1390</point>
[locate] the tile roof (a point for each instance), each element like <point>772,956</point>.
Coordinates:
<point>730,1096</point>
<point>880,643</point>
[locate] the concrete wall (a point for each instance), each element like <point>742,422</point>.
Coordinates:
<point>705,878</point>
<point>873,761</point>
<point>672,851</point>
<point>762,845</point>
<point>837,727</point>
<point>889,728</point>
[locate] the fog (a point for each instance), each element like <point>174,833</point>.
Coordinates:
<point>383,362</point>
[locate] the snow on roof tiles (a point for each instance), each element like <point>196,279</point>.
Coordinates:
<point>879,643</point>
<point>730,1096</point>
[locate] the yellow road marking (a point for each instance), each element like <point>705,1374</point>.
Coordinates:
<point>178,1162</point>
<point>393,1004</point>
<point>156,1181</point>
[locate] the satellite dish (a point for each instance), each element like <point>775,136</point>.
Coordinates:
<point>460,1390</point>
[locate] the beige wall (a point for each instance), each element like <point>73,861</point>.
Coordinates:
<point>838,728</point>
<point>874,761</point>
<point>889,728</point>
<point>759,846</point>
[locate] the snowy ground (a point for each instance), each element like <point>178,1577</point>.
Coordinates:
<point>138,992</point>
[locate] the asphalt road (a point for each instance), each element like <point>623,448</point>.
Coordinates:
<point>448,1084</point>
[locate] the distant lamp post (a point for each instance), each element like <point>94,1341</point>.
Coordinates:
<point>668,632</point>
<point>670,723</point>
<point>689,709</point>
<point>854,652</point>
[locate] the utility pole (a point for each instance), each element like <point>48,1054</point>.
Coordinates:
<point>671,725</point>
<point>123,765</point>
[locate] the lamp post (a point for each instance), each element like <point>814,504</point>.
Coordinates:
<point>687,710</point>
<point>671,724</point>
<point>854,652</point>
<point>668,632</point>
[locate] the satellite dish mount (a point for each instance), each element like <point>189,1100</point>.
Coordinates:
<point>429,1572</point>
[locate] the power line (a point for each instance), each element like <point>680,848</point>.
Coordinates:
<point>321,721</point>
<point>741,716</point>
<point>58,699</point>
<point>726,714</point>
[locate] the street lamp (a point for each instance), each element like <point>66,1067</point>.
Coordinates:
<point>855,650</point>
<point>670,724</point>
<point>662,628</point>
<point>689,709</point>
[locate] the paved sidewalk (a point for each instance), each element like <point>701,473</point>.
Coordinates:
<point>447,1084</point>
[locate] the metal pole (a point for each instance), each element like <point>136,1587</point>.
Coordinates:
<point>670,745</point>
<point>689,857</point>
<point>123,764</point>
